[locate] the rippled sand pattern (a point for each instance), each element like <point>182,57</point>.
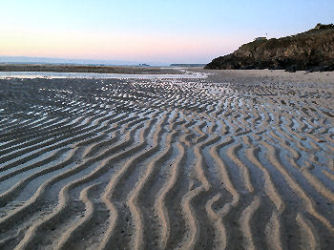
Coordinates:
<point>165,164</point>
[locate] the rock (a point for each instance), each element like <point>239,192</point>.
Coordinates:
<point>311,50</point>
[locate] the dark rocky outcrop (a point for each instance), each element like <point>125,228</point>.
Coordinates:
<point>311,50</point>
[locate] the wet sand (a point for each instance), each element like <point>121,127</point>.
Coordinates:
<point>241,160</point>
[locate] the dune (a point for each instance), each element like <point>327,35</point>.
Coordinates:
<point>239,160</point>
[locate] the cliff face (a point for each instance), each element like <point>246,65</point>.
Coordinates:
<point>311,50</point>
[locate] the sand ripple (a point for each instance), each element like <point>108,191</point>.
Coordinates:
<point>165,164</point>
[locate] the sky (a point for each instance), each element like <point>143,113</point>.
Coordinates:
<point>149,31</point>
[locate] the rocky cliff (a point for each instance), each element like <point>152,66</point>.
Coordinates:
<point>311,50</point>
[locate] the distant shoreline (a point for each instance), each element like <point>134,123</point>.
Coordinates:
<point>86,69</point>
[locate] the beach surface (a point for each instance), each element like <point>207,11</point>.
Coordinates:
<point>237,160</point>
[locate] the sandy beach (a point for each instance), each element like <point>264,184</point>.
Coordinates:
<point>239,160</point>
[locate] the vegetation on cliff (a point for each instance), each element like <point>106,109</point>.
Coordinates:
<point>310,50</point>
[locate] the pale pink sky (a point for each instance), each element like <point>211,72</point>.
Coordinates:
<point>116,46</point>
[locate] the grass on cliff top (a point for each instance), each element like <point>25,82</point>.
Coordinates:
<point>300,39</point>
